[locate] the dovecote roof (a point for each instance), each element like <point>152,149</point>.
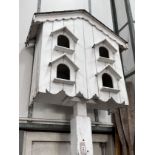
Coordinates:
<point>41,17</point>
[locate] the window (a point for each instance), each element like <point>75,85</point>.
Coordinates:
<point>103,52</point>
<point>63,41</point>
<point>63,72</point>
<point>107,80</point>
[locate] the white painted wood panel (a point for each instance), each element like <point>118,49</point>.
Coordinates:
<point>55,87</point>
<point>80,58</point>
<point>45,58</point>
<point>36,66</point>
<point>70,89</point>
<point>69,24</point>
<point>99,36</point>
<point>56,25</point>
<point>116,96</point>
<point>90,60</point>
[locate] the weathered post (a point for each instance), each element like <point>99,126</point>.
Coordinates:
<point>81,133</point>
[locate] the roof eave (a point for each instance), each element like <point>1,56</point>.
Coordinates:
<point>124,43</point>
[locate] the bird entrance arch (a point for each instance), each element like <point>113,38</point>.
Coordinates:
<point>63,72</point>
<point>63,41</point>
<point>107,80</point>
<point>103,52</point>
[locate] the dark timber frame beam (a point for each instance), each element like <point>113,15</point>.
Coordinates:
<point>114,16</point>
<point>130,74</point>
<point>123,26</point>
<point>37,127</point>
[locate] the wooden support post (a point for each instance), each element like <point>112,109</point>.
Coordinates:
<point>81,133</point>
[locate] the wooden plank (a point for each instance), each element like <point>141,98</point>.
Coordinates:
<point>90,61</point>
<point>44,78</point>
<point>36,64</point>
<point>99,36</point>
<point>102,114</point>
<point>56,25</point>
<point>70,89</point>
<point>117,144</point>
<point>55,87</point>
<point>69,24</point>
<point>80,59</point>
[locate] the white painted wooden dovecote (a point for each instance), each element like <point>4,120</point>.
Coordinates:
<point>82,56</point>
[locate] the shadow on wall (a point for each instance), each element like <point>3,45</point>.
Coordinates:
<point>25,71</point>
<point>48,111</point>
